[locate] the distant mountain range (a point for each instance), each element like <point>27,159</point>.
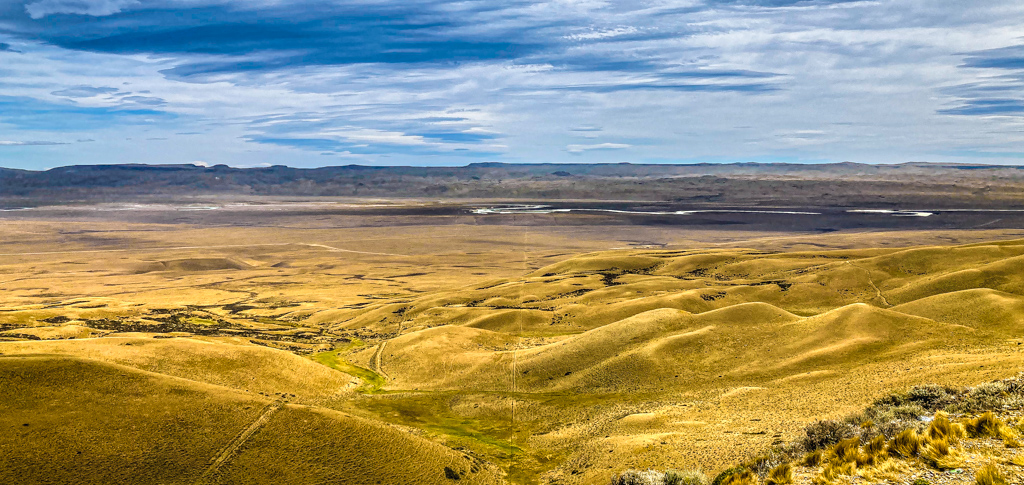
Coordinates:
<point>837,184</point>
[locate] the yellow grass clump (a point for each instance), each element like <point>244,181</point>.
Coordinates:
<point>744,477</point>
<point>813,458</point>
<point>939,454</point>
<point>989,475</point>
<point>906,444</point>
<point>986,425</point>
<point>780,475</point>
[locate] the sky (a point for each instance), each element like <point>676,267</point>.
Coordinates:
<point>309,83</point>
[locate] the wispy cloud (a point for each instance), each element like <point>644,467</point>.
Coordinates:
<point>8,143</point>
<point>577,149</point>
<point>84,91</point>
<point>446,81</point>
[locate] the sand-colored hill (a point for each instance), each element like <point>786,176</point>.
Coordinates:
<point>233,364</point>
<point>102,423</point>
<point>564,368</point>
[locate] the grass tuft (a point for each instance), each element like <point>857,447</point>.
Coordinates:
<point>989,475</point>
<point>813,458</point>
<point>780,475</point>
<point>846,451</point>
<point>906,444</point>
<point>939,454</point>
<point>986,425</point>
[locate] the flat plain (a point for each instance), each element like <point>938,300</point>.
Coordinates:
<point>422,341</point>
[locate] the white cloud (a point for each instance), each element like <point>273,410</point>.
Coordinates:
<point>8,143</point>
<point>95,8</point>
<point>597,146</point>
<point>603,34</point>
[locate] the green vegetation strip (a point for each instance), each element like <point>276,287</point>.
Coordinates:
<point>372,381</point>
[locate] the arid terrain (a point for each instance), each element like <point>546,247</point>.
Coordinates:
<point>233,338</point>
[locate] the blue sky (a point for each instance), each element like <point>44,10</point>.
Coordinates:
<point>430,82</point>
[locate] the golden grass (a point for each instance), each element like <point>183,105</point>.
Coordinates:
<point>471,327</point>
<point>907,444</point>
<point>743,477</point>
<point>939,454</point>
<point>989,475</point>
<point>985,425</point>
<point>813,458</point>
<point>780,475</point>
<point>888,470</point>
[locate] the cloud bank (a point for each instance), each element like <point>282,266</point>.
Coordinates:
<point>437,82</point>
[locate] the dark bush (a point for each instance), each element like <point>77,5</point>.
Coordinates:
<point>820,434</point>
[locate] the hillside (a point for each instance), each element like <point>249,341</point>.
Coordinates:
<point>561,372</point>
<point>922,185</point>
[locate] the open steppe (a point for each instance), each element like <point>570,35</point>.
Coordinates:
<point>375,341</point>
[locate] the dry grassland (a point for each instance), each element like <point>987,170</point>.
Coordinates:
<point>177,353</point>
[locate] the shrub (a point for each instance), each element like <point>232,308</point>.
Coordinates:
<point>637,477</point>
<point>688,477</point>
<point>821,434</point>
<point>893,428</point>
<point>921,481</point>
<point>989,475</point>
<point>764,464</point>
<point>987,396</point>
<point>933,396</point>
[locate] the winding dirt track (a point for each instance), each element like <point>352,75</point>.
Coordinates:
<point>375,361</point>
<point>232,447</point>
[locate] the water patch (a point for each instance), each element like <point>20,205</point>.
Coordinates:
<point>543,209</point>
<point>895,213</point>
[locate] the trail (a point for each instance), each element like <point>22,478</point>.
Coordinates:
<point>220,246</point>
<point>872,282</point>
<point>378,356</point>
<point>232,447</point>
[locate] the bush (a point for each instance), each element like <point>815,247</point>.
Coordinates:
<point>821,434</point>
<point>688,477</point>
<point>637,477</point>
<point>933,397</point>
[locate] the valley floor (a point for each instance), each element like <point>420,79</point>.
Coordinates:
<point>315,346</point>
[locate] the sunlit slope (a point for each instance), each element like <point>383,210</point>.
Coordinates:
<point>665,349</point>
<point>75,420</point>
<point>325,446</point>
<point>231,364</point>
<point>593,290</point>
<point>72,419</point>
<point>980,308</point>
